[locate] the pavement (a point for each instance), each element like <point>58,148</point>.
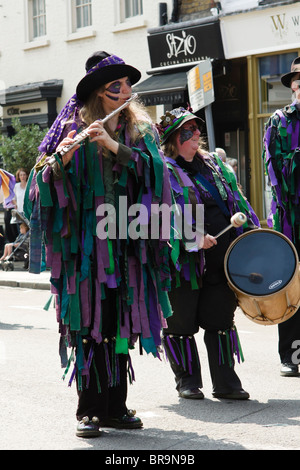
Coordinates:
<point>20,277</point>
<point>38,408</point>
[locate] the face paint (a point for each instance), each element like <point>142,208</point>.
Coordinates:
<point>185,134</point>
<point>115,88</point>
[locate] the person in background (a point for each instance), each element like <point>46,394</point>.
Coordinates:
<point>21,240</point>
<point>233,163</point>
<point>110,287</point>
<point>8,183</point>
<point>281,157</point>
<point>21,181</point>
<point>200,295</point>
<point>221,153</point>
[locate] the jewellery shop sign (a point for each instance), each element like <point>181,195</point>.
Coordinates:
<point>187,45</point>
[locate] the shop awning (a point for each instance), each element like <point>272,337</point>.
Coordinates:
<point>167,88</point>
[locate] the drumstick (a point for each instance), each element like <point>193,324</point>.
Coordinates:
<point>236,220</point>
<point>255,278</point>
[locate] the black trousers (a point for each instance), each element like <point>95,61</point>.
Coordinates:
<point>106,401</point>
<point>211,308</point>
<point>289,331</point>
<point>11,230</point>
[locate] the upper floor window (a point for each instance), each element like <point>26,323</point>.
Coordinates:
<point>83,13</point>
<point>130,8</point>
<point>37,18</point>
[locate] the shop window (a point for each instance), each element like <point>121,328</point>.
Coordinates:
<point>272,95</point>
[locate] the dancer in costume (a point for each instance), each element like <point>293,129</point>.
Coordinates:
<point>111,289</point>
<point>200,296</point>
<point>281,156</point>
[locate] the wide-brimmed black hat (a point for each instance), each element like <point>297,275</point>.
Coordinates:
<point>103,68</point>
<point>295,68</point>
<point>173,120</point>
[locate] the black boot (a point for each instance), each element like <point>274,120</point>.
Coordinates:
<point>220,348</point>
<point>183,356</point>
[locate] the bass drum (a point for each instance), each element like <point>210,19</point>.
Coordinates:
<point>262,268</point>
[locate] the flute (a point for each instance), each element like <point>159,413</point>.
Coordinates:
<point>84,134</point>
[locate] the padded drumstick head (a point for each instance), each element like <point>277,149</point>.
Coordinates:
<point>238,219</point>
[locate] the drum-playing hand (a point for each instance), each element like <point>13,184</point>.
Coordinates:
<point>209,241</point>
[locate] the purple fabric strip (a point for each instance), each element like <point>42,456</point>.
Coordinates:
<point>108,368</point>
<point>295,136</point>
<point>172,350</point>
<point>85,298</point>
<point>97,313</point>
<point>143,309</point>
<point>189,355</point>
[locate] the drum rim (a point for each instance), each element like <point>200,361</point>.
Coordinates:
<point>243,235</point>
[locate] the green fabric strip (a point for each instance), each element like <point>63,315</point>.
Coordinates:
<point>44,190</point>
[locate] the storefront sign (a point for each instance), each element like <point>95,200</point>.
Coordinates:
<point>261,31</point>
<point>200,85</point>
<point>28,109</point>
<point>186,45</point>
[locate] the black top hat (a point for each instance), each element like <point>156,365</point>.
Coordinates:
<point>104,68</point>
<point>295,68</point>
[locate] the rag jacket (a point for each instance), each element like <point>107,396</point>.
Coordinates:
<point>281,155</point>
<point>189,187</point>
<point>64,207</point>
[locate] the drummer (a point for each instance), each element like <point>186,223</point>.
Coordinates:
<point>200,296</point>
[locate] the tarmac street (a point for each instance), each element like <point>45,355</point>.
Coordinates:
<point>38,408</point>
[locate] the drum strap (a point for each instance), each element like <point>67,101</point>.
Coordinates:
<point>214,192</point>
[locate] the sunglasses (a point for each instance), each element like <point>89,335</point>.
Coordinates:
<point>191,127</point>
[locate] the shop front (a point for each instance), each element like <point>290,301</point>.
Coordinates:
<point>261,44</point>
<point>177,48</point>
<point>33,103</point>
<point>174,50</point>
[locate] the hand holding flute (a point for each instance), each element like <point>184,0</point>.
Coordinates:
<point>96,131</point>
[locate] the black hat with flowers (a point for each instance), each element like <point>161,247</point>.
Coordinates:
<point>173,120</point>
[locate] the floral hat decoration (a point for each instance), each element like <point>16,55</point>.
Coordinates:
<point>173,120</point>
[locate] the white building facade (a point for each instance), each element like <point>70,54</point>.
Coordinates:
<point>44,45</point>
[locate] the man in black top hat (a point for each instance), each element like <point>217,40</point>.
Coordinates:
<point>282,163</point>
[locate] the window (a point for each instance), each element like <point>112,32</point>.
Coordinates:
<point>272,95</point>
<point>83,13</point>
<point>130,8</point>
<point>37,19</point>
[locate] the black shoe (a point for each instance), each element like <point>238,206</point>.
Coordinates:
<point>88,427</point>
<point>194,393</point>
<point>127,421</point>
<point>234,395</point>
<point>288,369</point>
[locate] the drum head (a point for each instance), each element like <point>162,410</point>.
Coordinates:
<point>261,262</point>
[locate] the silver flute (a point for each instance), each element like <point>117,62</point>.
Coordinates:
<point>84,134</point>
